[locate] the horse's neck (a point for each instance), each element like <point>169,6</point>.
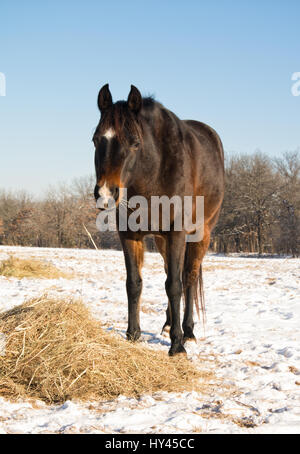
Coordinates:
<point>150,157</point>
<point>154,154</point>
<point>148,167</point>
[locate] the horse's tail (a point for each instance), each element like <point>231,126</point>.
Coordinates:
<point>199,298</point>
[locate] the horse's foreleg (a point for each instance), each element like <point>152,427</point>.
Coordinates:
<point>134,253</point>
<point>175,256</point>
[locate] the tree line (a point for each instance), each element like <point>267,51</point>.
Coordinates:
<point>260,213</point>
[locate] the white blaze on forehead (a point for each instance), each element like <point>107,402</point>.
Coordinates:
<point>109,133</point>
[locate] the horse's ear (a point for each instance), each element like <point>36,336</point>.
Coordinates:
<point>104,98</point>
<point>134,100</point>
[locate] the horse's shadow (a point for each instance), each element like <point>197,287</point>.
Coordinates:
<point>156,339</point>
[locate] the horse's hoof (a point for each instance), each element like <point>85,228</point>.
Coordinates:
<point>177,349</point>
<point>133,337</point>
<point>189,338</point>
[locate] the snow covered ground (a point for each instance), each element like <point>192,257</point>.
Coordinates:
<point>252,343</point>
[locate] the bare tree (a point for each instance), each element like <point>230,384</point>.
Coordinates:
<point>260,212</point>
<point>288,168</point>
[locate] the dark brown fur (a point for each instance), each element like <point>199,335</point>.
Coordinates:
<point>156,153</point>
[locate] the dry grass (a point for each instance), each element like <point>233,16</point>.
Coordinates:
<point>244,422</point>
<point>294,370</point>
<point>217,267</point>
<point>55,351</point>
<point>20,268</point>
<point>148,310</point>
<point>252,363</point>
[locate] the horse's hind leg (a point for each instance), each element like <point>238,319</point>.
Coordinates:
<point>161,246</point>
<point>190,294</point>
<point>192,278</point>
<point>167,324</point>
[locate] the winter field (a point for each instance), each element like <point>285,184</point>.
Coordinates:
<point>251,344</point>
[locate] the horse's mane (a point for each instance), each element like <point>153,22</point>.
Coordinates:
<point>149,101</point>
<point>124,122</point>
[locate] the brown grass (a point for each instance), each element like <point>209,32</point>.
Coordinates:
<point>294,370</point>
<point>148,310</point>
<point>252,363</point>
<point>245,422</point>
<point>217,267</point>
<point>55,351</point>
<point>20,268</point>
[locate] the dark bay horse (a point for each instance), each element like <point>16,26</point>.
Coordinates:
<point>142,146</point>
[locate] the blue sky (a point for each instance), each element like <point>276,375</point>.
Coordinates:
<point>228,63</point>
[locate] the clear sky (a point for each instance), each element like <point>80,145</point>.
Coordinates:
<point>228,63</point>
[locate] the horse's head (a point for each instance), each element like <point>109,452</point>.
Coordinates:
<point>117,140</point>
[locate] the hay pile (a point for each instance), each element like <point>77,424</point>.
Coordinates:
<point>20,268</point>
<point>55,351</point>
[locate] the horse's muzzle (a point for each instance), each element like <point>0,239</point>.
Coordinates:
<point>106,196</point>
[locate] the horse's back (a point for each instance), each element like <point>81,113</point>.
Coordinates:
<point>207,135</point>
<point>208,167</point>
